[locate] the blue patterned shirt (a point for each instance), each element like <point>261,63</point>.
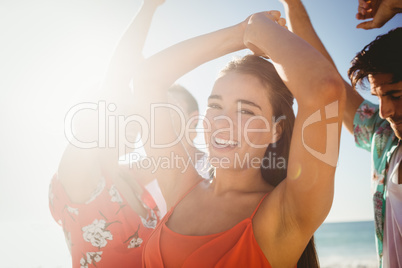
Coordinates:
<point>375,135</point>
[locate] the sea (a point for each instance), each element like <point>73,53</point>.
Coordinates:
<point>346,244</point>
<point>42,245</point>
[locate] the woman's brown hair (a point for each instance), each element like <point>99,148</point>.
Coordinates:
<point>281,100</point>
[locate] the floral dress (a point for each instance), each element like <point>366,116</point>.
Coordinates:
<point>105,231</point>
<point>375,135</point>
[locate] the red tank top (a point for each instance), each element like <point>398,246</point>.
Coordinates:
<point>235,247</point>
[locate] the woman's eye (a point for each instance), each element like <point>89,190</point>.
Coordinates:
<point>395,97</point>
<point>248,112</point>
<point>214,106</point>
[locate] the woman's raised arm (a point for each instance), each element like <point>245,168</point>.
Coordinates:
<point>128,57</point>
<point>300,24</point>
<point>301,202</point>
<point>80,168</point>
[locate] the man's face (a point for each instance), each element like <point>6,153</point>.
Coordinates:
<point>390,97</point>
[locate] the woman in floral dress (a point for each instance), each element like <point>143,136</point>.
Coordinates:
<point>105,220</point>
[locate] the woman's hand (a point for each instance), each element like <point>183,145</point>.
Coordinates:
<point>254,28</point>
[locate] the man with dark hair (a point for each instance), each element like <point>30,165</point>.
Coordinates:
<point>377,128</point>
<point>383,55</point>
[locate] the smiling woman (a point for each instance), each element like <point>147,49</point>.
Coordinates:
<point>226,107</point>
<point>278,119</point>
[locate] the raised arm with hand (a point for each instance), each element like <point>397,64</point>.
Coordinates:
<point>298,205</point>
<point>300,24</point>
<point>379,11</point>
<point>80,169</point>
<point>128,54</point>
<point>158,73</point>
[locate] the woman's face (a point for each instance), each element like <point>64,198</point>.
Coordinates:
<point>238,123</point>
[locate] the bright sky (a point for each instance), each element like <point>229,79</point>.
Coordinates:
<point>52,51</point>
